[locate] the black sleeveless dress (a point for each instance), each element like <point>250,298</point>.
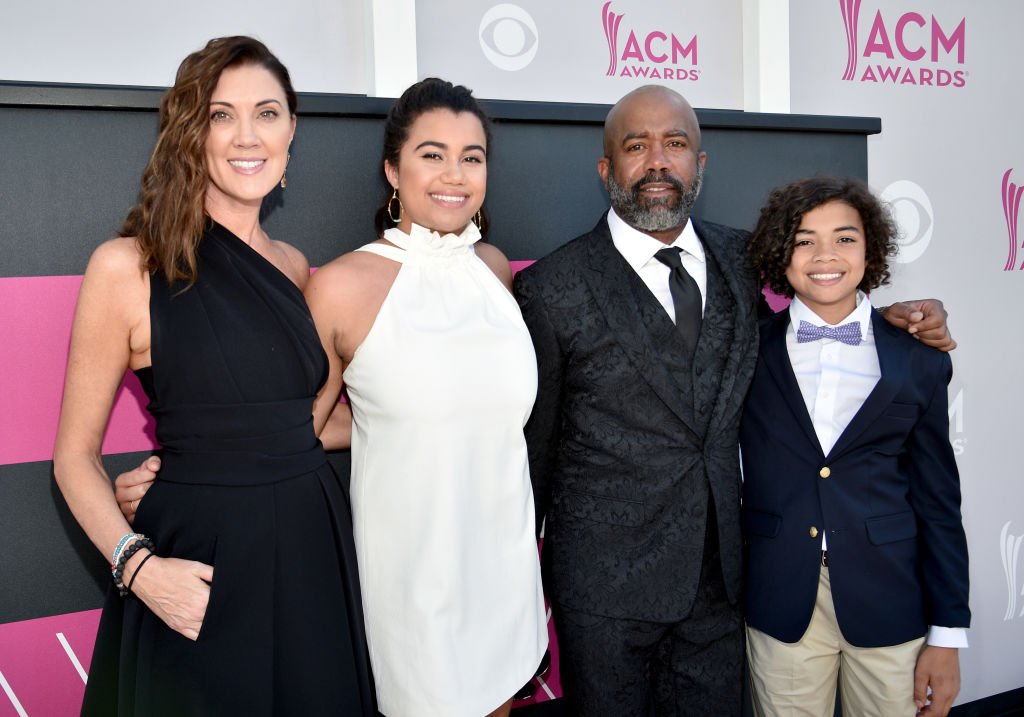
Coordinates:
<point>245,486</point>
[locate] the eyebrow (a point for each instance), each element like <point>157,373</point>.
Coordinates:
<point>644,135</point>
<point>442,145</point>
<point>258,104</point>
<point>848,228</point>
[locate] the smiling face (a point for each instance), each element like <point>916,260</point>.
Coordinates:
<point>828,260</point>
<point>653,166</point>
<point>247,146</point>
<point>441,175</point>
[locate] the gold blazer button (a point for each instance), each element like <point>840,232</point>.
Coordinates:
<point>813,532</point>
<point>825,472</point>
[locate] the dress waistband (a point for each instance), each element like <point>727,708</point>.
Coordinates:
<point>242,444</point>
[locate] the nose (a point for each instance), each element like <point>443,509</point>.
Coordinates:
<point>454,172</point>
<point>825,252</point>
<point>245,133</point>
<point>657,159</point>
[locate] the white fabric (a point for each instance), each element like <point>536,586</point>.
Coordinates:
<point>835,380</point>
<point>442,506</point>
<point>638,249</point>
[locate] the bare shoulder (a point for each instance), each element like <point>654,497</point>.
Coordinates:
<point>495,261</point>
<point>352,274</point>
<point>118,257</point>
<point>294,264</point>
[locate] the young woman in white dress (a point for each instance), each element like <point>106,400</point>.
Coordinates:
<point>422,328</point>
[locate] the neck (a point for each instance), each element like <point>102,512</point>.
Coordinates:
<point>243,222</point>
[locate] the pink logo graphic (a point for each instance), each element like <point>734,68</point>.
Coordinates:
<point>905,50</point>
<point>1011,210</point>
<point>655,55</point>
<point>851,14</point>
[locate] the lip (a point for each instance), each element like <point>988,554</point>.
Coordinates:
<point>451,200</point>
<point>827,278</point>
<point>245,165</point>
<point>657,187</point>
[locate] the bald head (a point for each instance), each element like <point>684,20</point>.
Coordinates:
<point>626,117</point>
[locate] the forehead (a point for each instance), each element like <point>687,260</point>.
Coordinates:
<point>654,113</point>
<point>249,82</point>
<point>832,214</point>
<point>447,127</point>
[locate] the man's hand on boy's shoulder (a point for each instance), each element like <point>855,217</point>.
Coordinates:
<point>939,669</point>
<point>925,319</point>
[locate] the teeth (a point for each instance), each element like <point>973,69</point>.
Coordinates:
<point>447,198</point>
<point>825,277</point>
<point>245,163</point>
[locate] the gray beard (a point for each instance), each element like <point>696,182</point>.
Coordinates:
<point>654,215</point>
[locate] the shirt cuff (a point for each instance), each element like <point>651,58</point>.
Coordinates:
<point>947,636</point>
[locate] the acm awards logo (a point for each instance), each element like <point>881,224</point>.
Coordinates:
<point>508,37</point>
<point>654,55</point>
<point>909,49</point>
<point>1009,551</point>
<point>1011,211</point>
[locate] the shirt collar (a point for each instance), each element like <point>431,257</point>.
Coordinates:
<point>638,248</point>
<point>799,311</point>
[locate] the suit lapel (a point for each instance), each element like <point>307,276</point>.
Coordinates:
<point>775,358</point>
<point>639,324</point>
<point>740,349</point>
<point>894,365</point>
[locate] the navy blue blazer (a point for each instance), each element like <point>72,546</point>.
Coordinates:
<point>887,495</point>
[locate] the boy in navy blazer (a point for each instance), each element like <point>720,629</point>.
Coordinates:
<point>855,553</point>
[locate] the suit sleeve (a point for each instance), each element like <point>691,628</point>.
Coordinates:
<point>544,426</point>
<point>935,497</point>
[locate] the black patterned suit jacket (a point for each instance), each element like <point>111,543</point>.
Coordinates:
<point>628,434</point>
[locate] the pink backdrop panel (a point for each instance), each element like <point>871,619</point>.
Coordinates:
<point>38,668</point>
<point>35,326</point>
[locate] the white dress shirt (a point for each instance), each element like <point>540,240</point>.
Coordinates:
<point>638,249</point>
<point>835,380</point>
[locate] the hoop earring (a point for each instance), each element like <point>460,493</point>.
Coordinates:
<point>390,210</point>
<point>284,177</point>
<point>479,220</point>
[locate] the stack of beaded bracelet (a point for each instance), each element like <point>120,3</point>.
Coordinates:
<point>123,554</point>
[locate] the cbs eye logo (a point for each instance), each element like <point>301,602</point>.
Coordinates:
<point>508,37</point>
<point>912,210</point>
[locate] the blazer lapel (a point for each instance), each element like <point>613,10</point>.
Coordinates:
<point>641,326</point>
<point>894,365</point>
<point>775,358</point>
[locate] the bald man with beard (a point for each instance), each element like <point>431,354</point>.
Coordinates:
<point>644,358</point>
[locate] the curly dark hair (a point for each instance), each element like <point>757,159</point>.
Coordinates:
<point>770,247</point>
<point>429,94</point>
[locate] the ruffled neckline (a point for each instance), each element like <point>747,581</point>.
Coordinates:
<point>421,240</point>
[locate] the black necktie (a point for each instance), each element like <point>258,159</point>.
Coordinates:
<point>685,296</point>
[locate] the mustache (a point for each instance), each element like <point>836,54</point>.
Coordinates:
<point>653,177</point>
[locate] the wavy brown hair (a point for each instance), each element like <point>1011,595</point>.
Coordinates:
<point>771,244</point>
<point>170,217</point>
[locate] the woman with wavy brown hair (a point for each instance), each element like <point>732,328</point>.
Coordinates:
<point>235,590</point>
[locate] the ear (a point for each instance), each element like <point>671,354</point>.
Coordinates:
<point>702,158</point>
<point>602,170</point>
<point>391,172</point>
<point>294,122</point>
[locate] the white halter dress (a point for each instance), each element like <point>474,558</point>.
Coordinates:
<point>441,499</point>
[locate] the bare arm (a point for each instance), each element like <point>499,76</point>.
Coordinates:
<point>496,262</point>
<point>109,334</point>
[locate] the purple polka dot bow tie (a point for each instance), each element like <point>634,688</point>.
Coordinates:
<point>849,333</point>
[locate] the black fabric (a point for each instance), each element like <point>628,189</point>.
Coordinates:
<point>245,486</point>
<point>634,459</point>
<point>685,296</point>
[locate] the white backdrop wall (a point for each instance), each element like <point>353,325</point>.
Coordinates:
<point>940,74</point>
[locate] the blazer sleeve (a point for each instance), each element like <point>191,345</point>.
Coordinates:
<point>935,498</point>
<point>543,429</point>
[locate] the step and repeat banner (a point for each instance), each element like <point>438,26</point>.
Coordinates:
<point>950,160</point>
<point>943,76</point>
